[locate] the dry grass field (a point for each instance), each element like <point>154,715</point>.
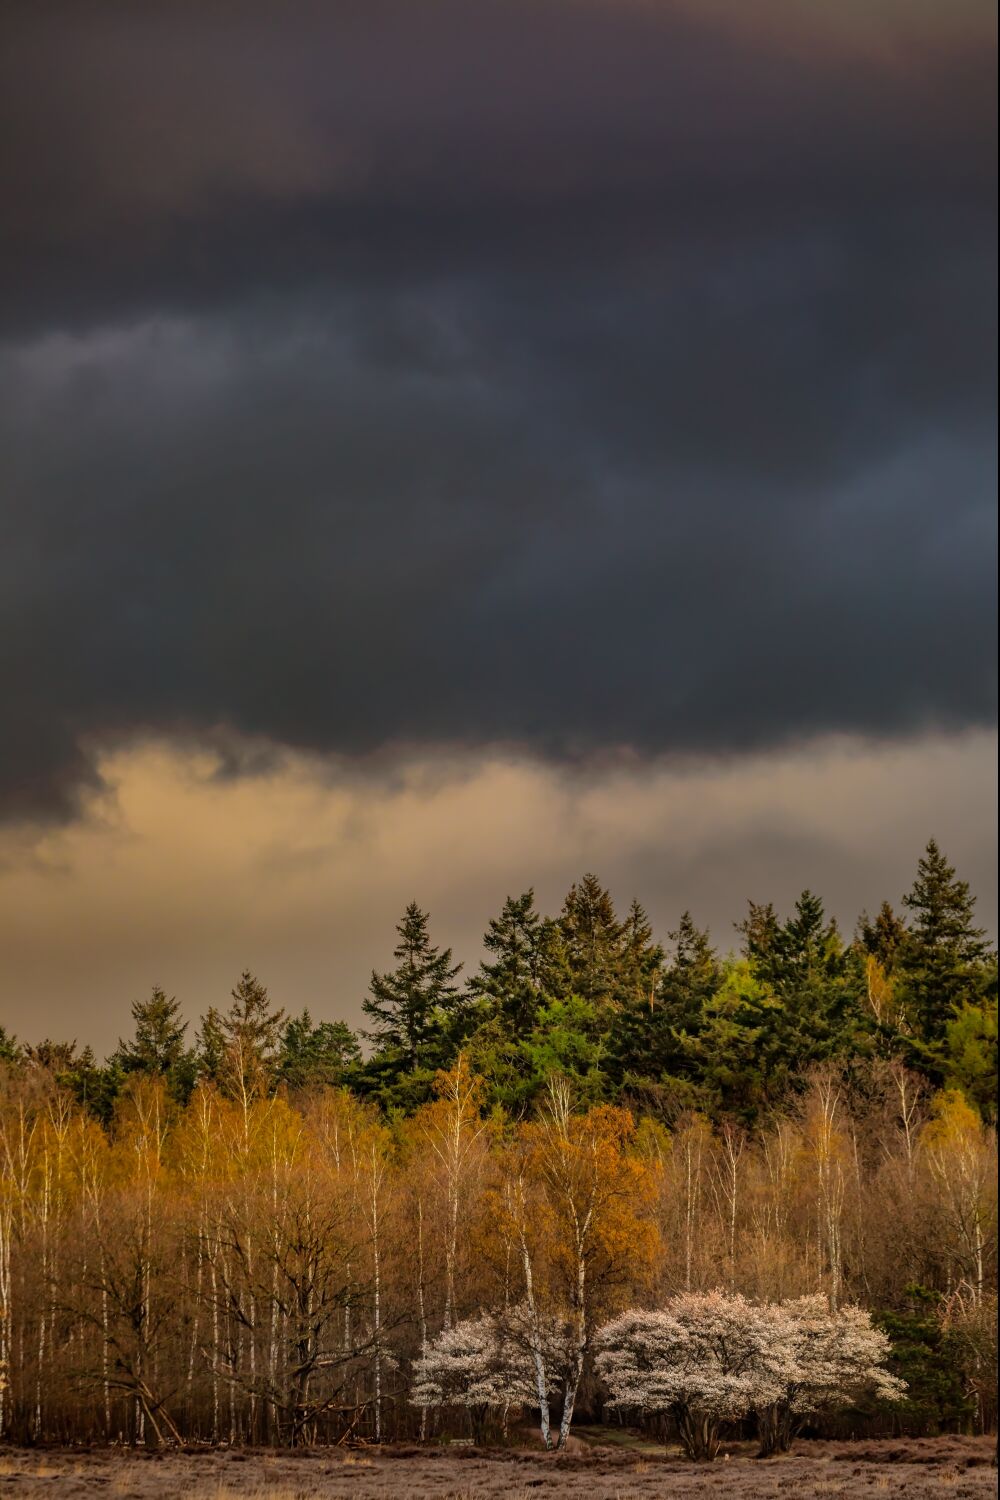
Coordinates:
<point>944,1468</point>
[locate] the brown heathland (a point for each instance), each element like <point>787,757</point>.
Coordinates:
<point>959,1468</point>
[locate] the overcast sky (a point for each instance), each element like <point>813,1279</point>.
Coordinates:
<point>447,446</point>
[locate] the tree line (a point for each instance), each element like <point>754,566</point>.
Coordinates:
<point>265,1235</point>
<point>597,999</point>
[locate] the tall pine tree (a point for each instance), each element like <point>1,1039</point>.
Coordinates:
<point>511,981</point>
<point>943,953</point>
<point>157,1044</point>
<point>415,1006</point>
<point>158,1040</point>
<point>239,1050</point>
<point>591,936</point>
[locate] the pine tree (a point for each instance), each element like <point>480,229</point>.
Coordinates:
<point>809,949</point>
<point>10,1050</point>
<point>239,1050</point>
<point>592,941</point>
<point>944,949</point>
<point>760,931</point>
<point>640,961</point>
<point>415,1005</point>
<point>811,1007</point>
<point>251,1021</point>
<point>210,1045</point>
<point>510,983</point>
<point>318,1054</point>
<point>158,1043</point>
<point>884,937</point>
<point>157,1046</point>
<point>692,977</point>
<point>649,1044</point>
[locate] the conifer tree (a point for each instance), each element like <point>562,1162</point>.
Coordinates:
<point>641,958</point>
<point>592,940</point>
<point>239,1050</point>
<point>944,949</point>
<point>158,1041</point>
<point>649,1045</point>
<point>157,1045</point>
<point>414,1006</point>
<point>883,938</point>
<point>511,981</point>
<point>693,976</point>
<point>316,1054</point>
<point>761,934</point>
<point>251,1020</point>
<point>210,1045</point>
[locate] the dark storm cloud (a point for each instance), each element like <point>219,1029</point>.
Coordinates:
<point>582,375</point>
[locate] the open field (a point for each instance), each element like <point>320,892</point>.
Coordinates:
<point>956,1468</point>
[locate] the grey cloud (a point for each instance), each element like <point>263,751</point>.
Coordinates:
<point>582,376</point>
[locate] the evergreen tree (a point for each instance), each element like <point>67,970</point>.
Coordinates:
<point>239,1050</point>
<point>693,975</point>
<point>159,1036</point>
<point>884,937</point>
<point>804,966</point>
<point>926,1355</point>
<point>251,1020</point>
<point>157,1046</point>
<point>739,1059</point>
<point>808,951</point>
<point>591,936</point>
<point>761,932</point>
<point>566,1041</point>
<point>415,1007</point>
<point>510,983</point>
<point>10,1050</point>
<point>314,1055</point>
<point>943,953</point>
<point>210,1045</point>
<point>640,961</point>
<point>592,943</point>
<point>649,1044</point>
<point>969,1055</point>
<point>94,1087</point>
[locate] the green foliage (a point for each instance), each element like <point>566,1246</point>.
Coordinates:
<point>884,937</point>
<point>969,1055</point>
<point>157,1046</point>
<point>607,963</point>
<point>10,1050</point>
<point>594,998</point>
<point>210,1045</point>
<point>738,1055</point>
<point>942,956</point>
<point>417,1010</point>
<point>930,1360</point>
<point>239,1050</point>
<point>566,1040</point>
<point>91,1085</point>
<point>522,947</point>
<point>651,1042</point>
<point>312,1055</point>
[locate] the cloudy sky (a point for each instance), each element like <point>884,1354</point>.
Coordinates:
<point>452,446</point>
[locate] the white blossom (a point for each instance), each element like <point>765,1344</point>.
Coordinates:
<point>482,1362</point>
<point>710,1358</point>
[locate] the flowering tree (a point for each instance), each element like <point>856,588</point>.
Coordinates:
<point>811,1360</point>
<point>707,1359</point>
<point>478,1364</point>
<point>695,1360</point>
